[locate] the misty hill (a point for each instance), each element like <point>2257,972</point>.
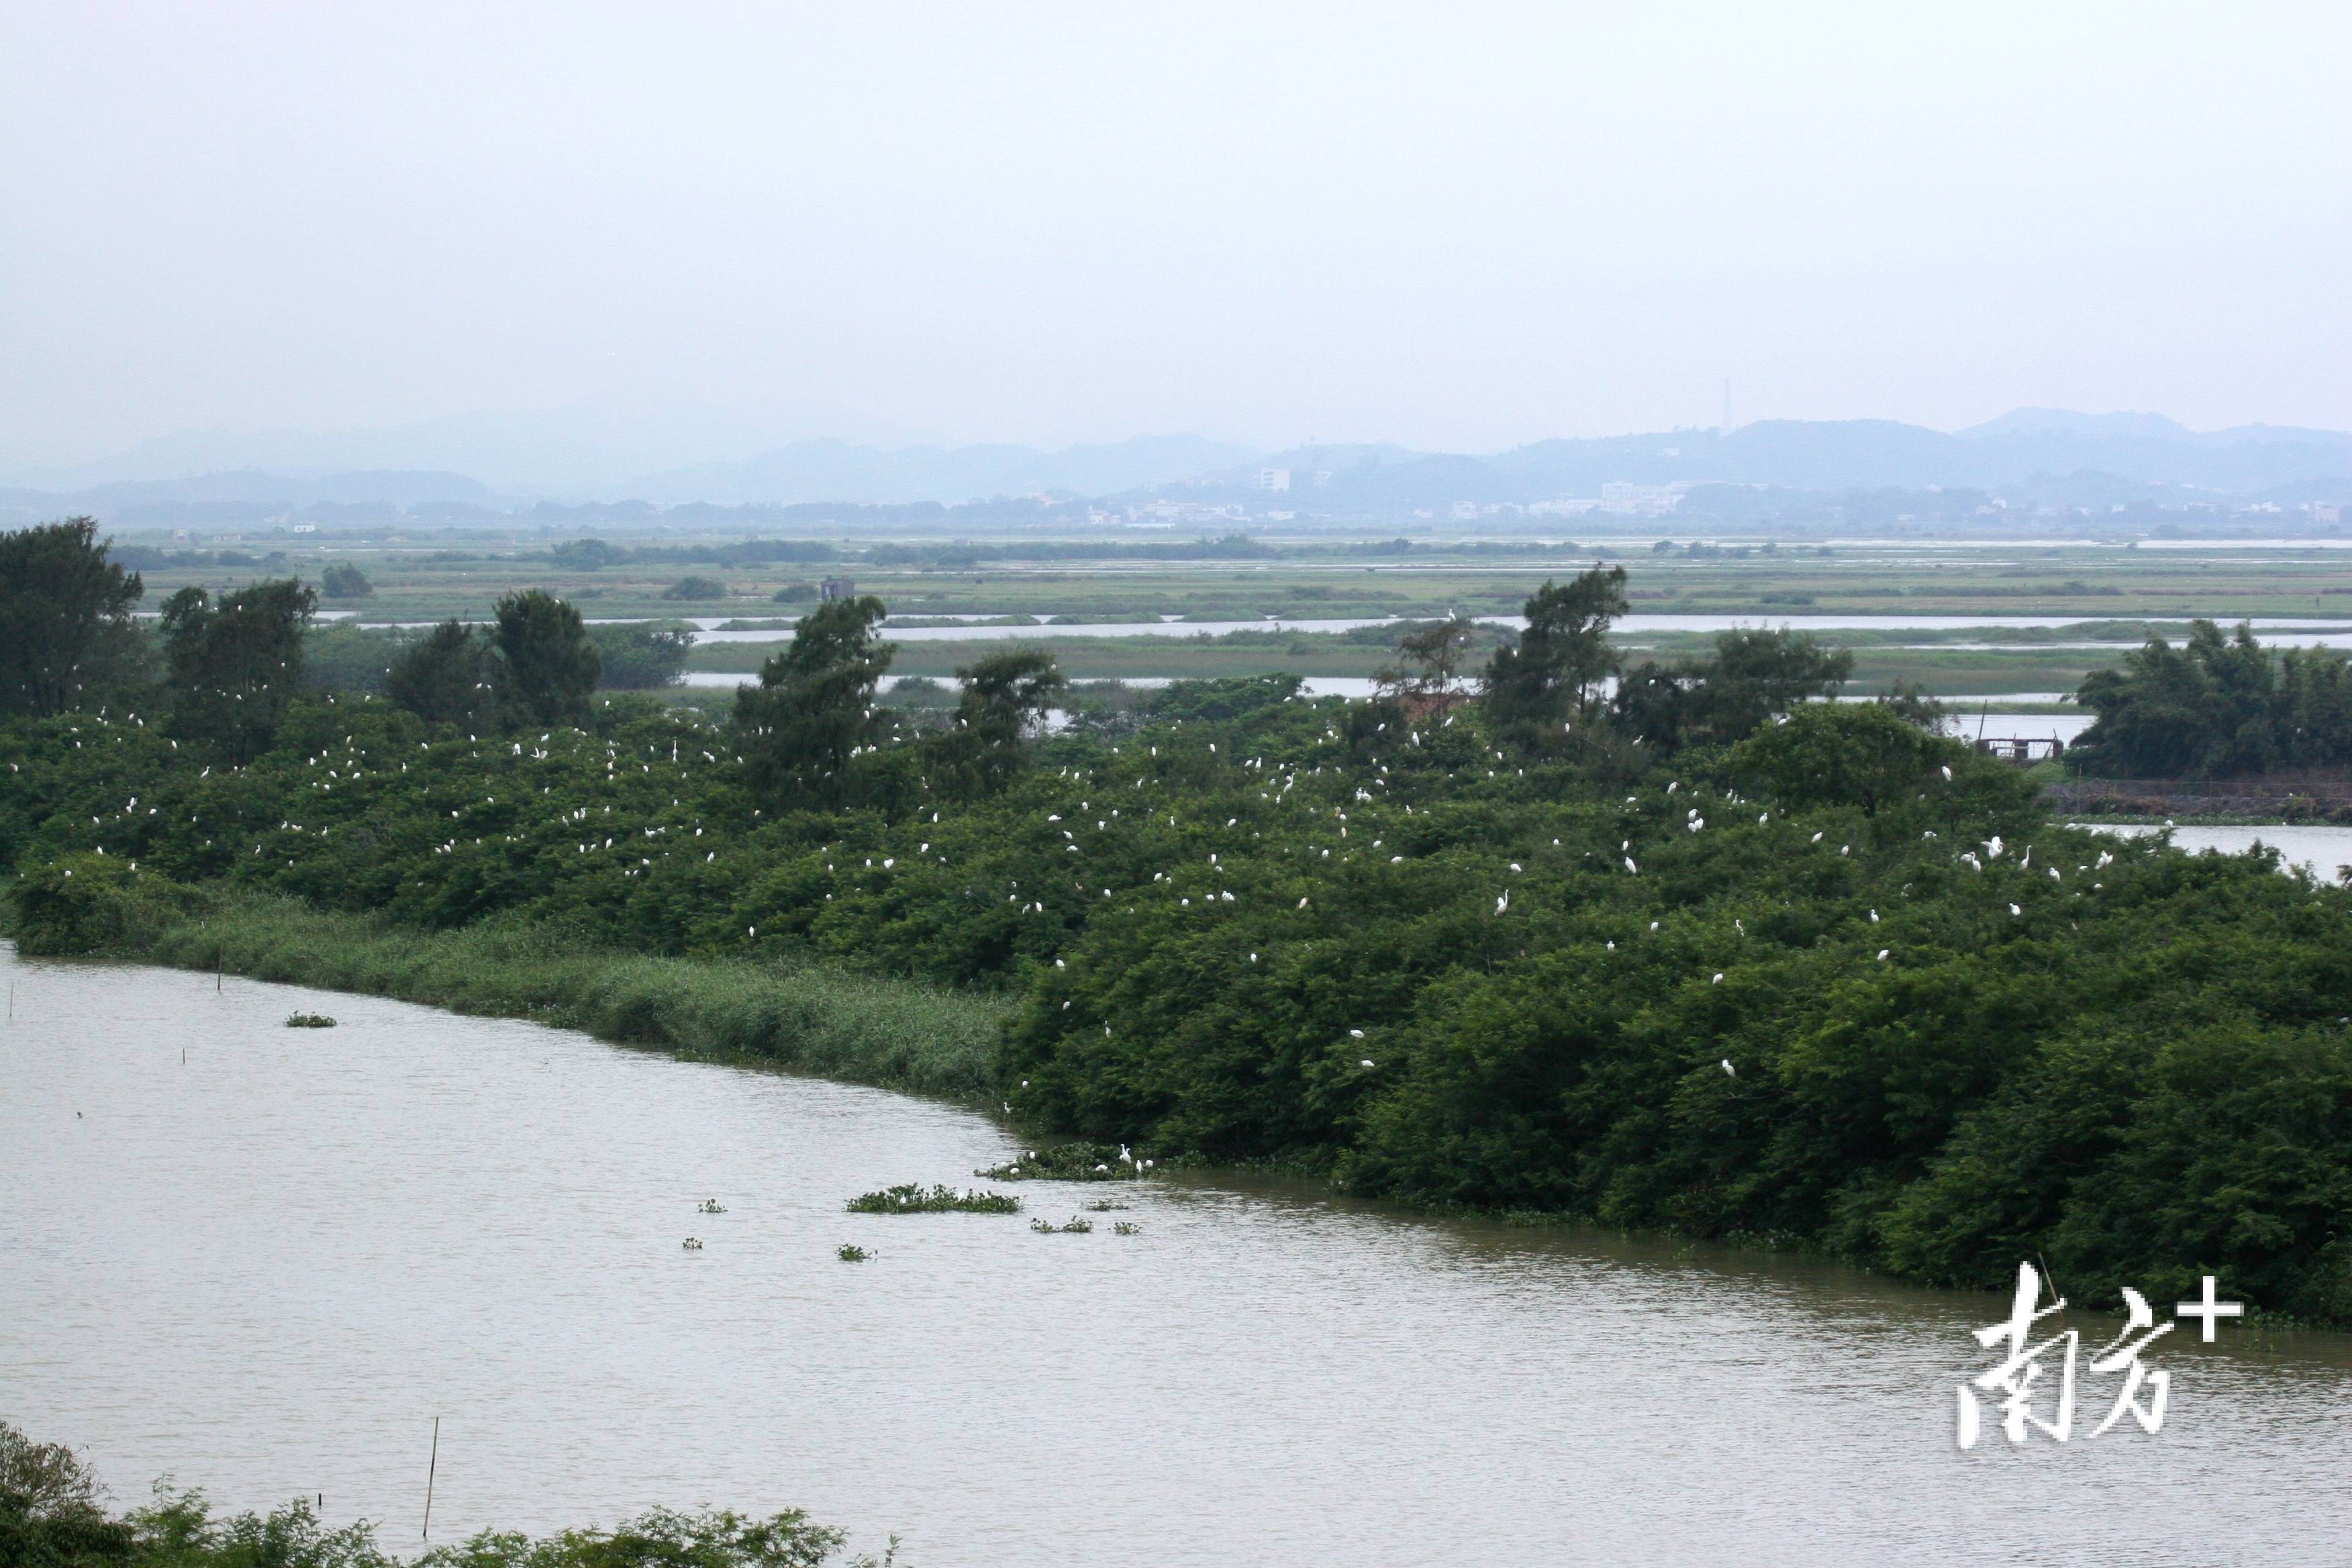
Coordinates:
<point>836,471</point>
<point>2133,450</point>
<point>2031,455</point>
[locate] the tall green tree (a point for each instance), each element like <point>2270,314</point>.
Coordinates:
<point>1427,661</point>
<point>1751,677</point>
<point>815,703</point>
<point>65,628</point>
<point>642,658</point>
<point>235,663</point>
<point>346,581</point>
<point>1553,681</point>
<point>552,664</point>
<point>449,676</point>
<point>1006,696</point>
<point>2215,706</point>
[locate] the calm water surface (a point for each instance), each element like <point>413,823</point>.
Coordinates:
<point>2322,851</point>
<point>268,1267</point>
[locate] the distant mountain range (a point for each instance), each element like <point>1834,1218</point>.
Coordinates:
<point>2119,456</point>
<point>2133,449</point>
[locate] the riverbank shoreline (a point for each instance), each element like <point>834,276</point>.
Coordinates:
<point>807,1016</point>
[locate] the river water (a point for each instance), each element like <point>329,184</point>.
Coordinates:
<point>2320,850</point>
<point>1635,623</point>
<point>266,1258</point>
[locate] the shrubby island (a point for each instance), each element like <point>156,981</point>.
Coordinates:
<point>1703,954</point>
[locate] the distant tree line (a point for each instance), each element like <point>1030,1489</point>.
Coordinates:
<point>1562,689</point>
<point>233,664</point>
<point>2216,705</point>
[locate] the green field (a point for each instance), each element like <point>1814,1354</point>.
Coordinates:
<point>1322,579</point>
<point>2111,591</point>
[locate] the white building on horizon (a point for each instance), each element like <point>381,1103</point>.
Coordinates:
<point>1627,500</point>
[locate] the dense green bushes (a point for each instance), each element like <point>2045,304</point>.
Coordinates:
<point>2215,707</point>
<point>94,904</point>
<point>1838,984</point>
<point>50,1517</point>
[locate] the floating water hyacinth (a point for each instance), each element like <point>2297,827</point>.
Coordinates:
<point>309,1021</point>
<point>850,1252</point>
<point>1127,1227</point>
<point>1075,1227</point>
<point>911,1198</point>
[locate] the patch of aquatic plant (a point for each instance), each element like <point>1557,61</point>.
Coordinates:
<point>912,1198</point>
<point>692,1244</point>
<point>710,1205</point>
<point>1103,1206</point>
<point>1072,1162</point>
<point>309,1021</point>
<point>850,1252</point>
<point>1127,1227</point>
<point>1075,1227</point>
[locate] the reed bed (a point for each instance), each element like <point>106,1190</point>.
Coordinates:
<point>811,1017</point>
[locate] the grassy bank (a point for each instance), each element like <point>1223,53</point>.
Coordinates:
<point>807,1016</point>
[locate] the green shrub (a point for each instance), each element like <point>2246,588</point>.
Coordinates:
<point>94,903</point>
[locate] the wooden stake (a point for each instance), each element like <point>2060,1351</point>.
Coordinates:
<point>433,1465</point>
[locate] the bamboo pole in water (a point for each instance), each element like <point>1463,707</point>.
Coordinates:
<point>432,1465</point>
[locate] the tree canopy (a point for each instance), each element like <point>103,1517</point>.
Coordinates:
<point>552,664</point>
<point>2216,705</point>
<point>1005,698</point>
<point>450,675</point>
<point>235,663</point>
<point>1552,682</point>
<point>65,627</point>
<point>813,707</point>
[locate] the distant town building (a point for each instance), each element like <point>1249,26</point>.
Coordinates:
<point>1639,501</point>
<point>2327,511</point>
<point>1292,479</point>
<point>1271,480</point>
<point>834,589</point>
<point>1563,507</point>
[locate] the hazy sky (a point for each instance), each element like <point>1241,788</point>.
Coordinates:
<point>1447,225</point>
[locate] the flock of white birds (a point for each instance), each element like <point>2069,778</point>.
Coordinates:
<point>643,833</point>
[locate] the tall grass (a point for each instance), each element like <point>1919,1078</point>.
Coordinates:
<point>811,1017</point>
